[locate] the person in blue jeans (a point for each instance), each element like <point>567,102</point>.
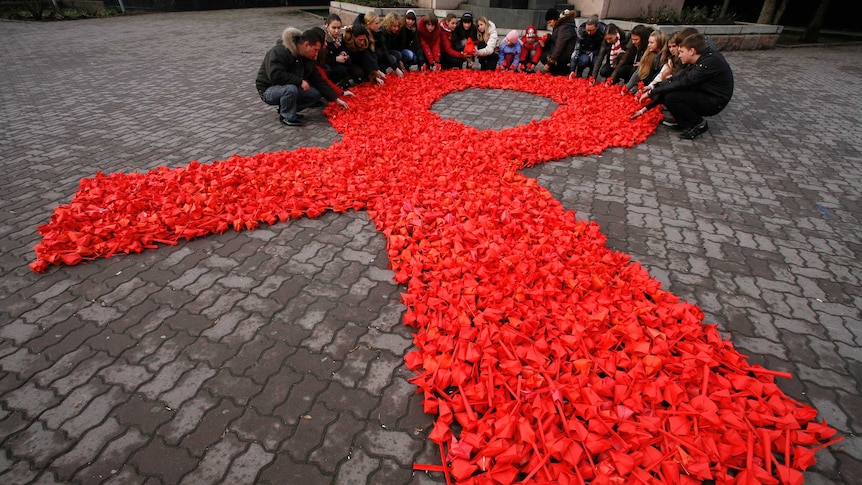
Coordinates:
<point>289,77</point>
<point>591,34</point>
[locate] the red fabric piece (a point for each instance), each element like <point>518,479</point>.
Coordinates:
<point>560,360</point>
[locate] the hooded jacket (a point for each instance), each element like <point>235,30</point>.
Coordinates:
<point>563,38</point>
<point>283,65</point>
<point>430,41</point>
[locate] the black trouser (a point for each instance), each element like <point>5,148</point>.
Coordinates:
<point>689,106</point>
<point>489,62</point>
<point>449,62</point>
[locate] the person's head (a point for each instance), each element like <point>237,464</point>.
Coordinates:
<point>592,25</point>
<point>360,36</point>
<point>430,22</point>
<point>657,40</point>
<point>451,20</point>
<point>640,36</point>
<point>333,25</point>
<point>482,25</point>
<point>611,33</point>
<point>512,37</point>
<point>691,48</point>
<point>372,22</point>
<point>309,43</point>
<point>410,19</point>
<point>467,21</point>
<point>682,34</point>
<point>551,17</point>
<point>391,23</point>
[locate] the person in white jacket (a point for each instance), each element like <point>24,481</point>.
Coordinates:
<point>486,48</point>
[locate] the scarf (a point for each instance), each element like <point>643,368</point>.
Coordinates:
<point>616,50</point>
<point>335,41</point>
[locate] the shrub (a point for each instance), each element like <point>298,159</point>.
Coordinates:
<point>689,16</point>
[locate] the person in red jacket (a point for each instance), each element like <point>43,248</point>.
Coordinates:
<point>450,58</point>
<point>531,50</point>
<point>429,40</point>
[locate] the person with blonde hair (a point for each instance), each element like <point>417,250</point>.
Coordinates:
<point>385,60</point>
<point>390,28</point>
<point>486,48</point>
<point>650,64</point>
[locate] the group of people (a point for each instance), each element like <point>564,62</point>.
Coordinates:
<point>682,72</point>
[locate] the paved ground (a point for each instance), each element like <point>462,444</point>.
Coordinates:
<point>276,355</point>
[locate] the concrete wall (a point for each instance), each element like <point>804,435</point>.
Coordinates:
<point>622,8</point>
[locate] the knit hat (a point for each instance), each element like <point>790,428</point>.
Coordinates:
<point>467,17</point>
<point>531,31</point>
<point>512,36</point>
<point>552,14</point>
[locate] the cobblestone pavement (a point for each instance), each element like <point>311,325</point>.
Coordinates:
<point>275,355</point>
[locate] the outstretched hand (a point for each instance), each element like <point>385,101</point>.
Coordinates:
<point>638,113</point>
<point>343,103</point>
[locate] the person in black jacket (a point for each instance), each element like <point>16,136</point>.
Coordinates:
<point>563,39</point>
<point>702,88</point>
<point>289,78</point>
<point>591,34</point>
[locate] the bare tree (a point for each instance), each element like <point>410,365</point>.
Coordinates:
<point>771,12</point>
<point>812,30</point>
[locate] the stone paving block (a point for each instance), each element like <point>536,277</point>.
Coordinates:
<point>391,444</point>
<point>87,449</point>
<point>284,470</point>
<point>244,468</point>
<point>211,428</point>
<point>38,444</point>
<point>357,469</point>
<point>111,459</point>
<point>215,462</point>
<point>165,462</point>
<point>300,399</point>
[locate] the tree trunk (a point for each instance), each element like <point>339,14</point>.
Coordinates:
<point>776,19</point>
<point>724,8</point>
<point>812,30</point>
<point>766,12</point>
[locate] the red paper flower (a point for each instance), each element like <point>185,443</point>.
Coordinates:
<point>560,360</point>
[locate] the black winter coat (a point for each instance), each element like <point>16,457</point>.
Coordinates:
<point>710,75</point>
<point>282,65</point>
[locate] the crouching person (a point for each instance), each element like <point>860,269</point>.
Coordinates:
<point>289,78</point>
<point>703,87</point>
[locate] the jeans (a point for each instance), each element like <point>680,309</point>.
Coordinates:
<point>582,62</point>
<point>290,99</point>
<point>408,57</point>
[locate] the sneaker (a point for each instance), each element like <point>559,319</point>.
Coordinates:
<point>671,123</point>
<point>695,131</point>
<point>295,121</point>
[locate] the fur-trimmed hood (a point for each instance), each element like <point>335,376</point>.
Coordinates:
<point>350,41</point>
<point>568,17</point>
<point>289,37</point>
